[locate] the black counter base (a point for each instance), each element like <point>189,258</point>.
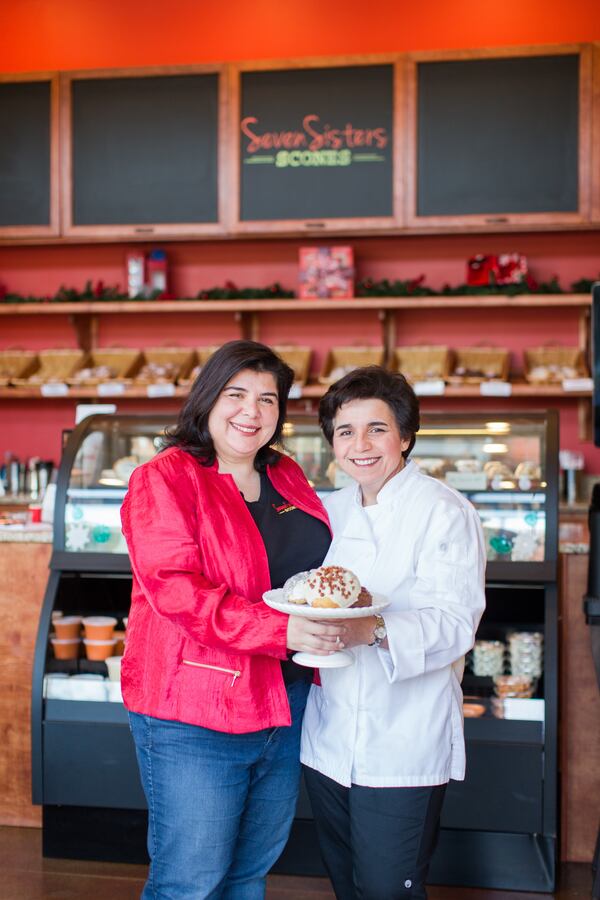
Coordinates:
<point>98,833</point>
<point>485,859</point>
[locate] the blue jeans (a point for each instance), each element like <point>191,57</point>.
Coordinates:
<point>220,806</point>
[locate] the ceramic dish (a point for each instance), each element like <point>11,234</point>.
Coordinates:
<point>275,599</point>
<point>341,659</point>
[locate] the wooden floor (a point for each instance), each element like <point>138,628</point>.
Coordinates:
<point>25,875</point>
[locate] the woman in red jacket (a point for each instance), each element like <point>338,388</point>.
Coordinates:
<point>215,706</point>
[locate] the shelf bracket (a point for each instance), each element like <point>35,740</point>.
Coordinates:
<point>249,325</point>
<point>86,330</point>
<point>388,324</point>
<point>584,418</point>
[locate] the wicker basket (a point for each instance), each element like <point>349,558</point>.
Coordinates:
<point>479,364</point>
<point>124,363</point>
<point>181,358</point>
<point>422,363</point>
<point>53,365</point>
<point>348,358</point>
<point>199,358</point>
<point>296,357</point>
<point>553,359</point>
<point>16,364</point>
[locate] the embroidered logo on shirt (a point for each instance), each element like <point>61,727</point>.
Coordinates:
<point>284,508</point>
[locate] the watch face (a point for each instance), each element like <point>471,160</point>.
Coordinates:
<point>380,632</point>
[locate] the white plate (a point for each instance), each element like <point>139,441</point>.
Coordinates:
<point>275,600</point>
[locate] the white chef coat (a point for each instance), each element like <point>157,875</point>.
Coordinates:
<point>394,718</point>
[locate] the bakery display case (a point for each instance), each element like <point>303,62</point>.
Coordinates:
<point>84,771</point>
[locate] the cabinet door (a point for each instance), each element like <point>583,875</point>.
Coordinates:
<point>315,147</point>
<point>142,152</point>
<point>90,764</point>
<point>29,156</point>
<point>502,790</point>
<point>499,138</point>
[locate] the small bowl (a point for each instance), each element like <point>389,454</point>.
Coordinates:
<point>99,628</point>
<point>65,648</point>
<point>67,627</point>
<point>99,650</point>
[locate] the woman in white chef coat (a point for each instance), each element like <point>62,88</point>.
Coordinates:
<point>382,738</point>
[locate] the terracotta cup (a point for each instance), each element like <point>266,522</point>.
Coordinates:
<point>99,650</point>
<point>119,636</point>
<point>67,627</point>
<point>65,648</point>
<point>99,628</point>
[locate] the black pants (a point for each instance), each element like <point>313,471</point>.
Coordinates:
<point>376,842</point>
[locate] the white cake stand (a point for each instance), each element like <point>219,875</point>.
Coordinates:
<point>341,658</point>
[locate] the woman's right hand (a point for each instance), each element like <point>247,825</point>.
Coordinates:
<point>321,638</point>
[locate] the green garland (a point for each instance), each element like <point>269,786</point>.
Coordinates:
<point>412,287</point>
<point>100,292</point>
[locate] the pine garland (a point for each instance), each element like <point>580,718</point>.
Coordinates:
<point>367,287</point>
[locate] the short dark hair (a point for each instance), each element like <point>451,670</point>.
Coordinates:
<point>191,431</point>
<point>373,382</point>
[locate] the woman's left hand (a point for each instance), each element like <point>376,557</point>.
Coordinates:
<point>358,631</point>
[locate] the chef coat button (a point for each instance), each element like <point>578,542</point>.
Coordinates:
<point>408,883</point>
<point>443,547</point>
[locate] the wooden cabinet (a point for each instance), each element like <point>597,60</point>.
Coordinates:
<point>488,141</point>
<point>29,160</point>
<point>499,138</point>
<point>142,152</point>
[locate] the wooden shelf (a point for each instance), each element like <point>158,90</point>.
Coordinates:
<point>240,306</point>
<point>309,391</point>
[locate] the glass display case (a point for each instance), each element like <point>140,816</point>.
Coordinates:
<point>98,461</point>
<point>506,467</point>
<point>501,467</point>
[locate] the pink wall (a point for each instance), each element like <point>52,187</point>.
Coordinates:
<point>193,266</point>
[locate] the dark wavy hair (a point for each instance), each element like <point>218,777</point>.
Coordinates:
<point>373,382</point>
<point>191,431</point>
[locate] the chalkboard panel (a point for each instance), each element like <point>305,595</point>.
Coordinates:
<point>498,136</point>
<point>145,150</point>
<point>25,153</point>
<point>316,143</point>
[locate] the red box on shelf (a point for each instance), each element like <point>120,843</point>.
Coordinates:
<point>326,272</point>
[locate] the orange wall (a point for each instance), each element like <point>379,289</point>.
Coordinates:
<point>71,34</point>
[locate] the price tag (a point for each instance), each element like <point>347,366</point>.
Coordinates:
<point>578,384</point>
<point>429,388</point>
<point>467,481</point>
<point>161,390</point>
<point>54,389</point>
<point>295,391</point>
<point>495,389</point>
<point>111,389</point>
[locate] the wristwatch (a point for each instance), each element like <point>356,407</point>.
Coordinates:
<point>379,632</point>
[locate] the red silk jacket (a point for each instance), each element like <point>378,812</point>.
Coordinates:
<point>201,646</point>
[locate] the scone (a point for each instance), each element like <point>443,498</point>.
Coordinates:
<point>332,587</point>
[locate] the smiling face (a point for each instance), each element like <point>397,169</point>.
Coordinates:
<point>368,445</point>
<point>244,418</point>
